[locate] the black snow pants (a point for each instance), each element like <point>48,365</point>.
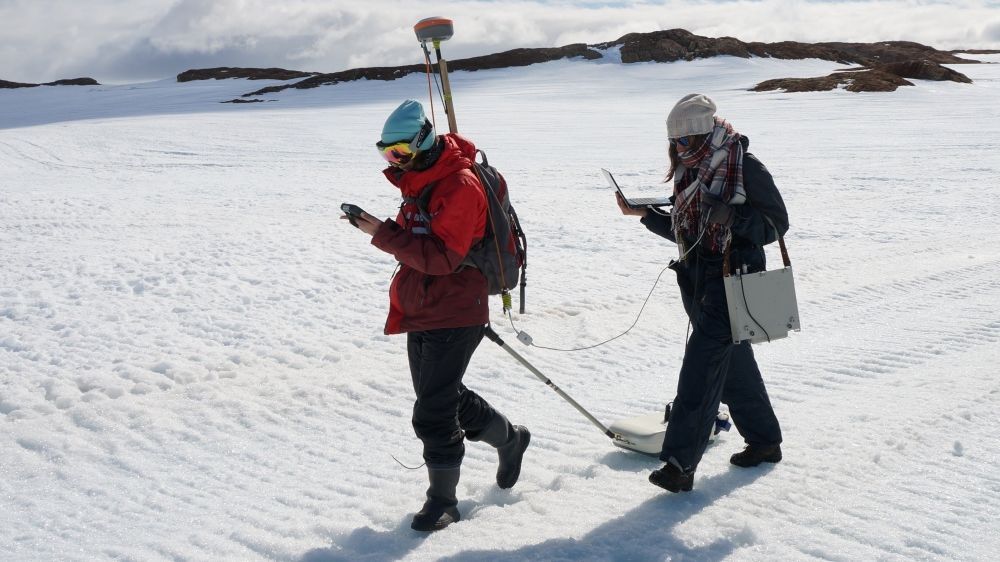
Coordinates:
<point>445,410</point>
<point>714,369</point>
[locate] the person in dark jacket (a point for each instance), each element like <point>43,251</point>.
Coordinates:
<point>440,304</point>
<point>712,173</point>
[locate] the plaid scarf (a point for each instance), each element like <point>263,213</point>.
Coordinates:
<point>708,173</point>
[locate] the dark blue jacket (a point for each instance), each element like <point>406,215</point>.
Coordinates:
<point>751,229</point>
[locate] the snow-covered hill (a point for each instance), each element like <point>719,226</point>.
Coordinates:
<point>192,364</point>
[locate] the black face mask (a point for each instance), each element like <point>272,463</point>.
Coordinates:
<point>424,160</point>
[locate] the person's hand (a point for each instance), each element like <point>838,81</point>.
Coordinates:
<point>366,223</point>
<point>626,210</point>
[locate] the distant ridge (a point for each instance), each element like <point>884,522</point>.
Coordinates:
<point>882,66</point>
<point>4,84</point>
<point>249,73</point>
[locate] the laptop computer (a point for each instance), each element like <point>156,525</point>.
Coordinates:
<point>636,202</point>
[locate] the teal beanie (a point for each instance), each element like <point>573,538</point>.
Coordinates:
<point>404,123</point>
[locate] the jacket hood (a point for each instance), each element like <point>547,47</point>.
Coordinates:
<point>457,154</point>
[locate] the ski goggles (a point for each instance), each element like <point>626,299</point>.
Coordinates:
<point>396,153</point>
<point>681,141</point>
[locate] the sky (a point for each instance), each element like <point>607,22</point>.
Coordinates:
<point>119,41</point>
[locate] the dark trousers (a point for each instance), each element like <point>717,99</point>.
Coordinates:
<point>714,370</point>
<point>445,410</point>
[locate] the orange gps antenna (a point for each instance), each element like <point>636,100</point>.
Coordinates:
<point>434,30</point>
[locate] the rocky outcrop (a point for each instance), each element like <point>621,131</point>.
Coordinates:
<point>224,72</point>
<point>923,70</point>
<point>242,100</point>
<point>679,44</point>
<point>884,66</point>
<point>506,59</point>
<point>524,57</point>
<point>878,78</point>
<point>4,84</point>
<point>852,81</point>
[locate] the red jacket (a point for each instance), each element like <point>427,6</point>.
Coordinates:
<point>432,290</point>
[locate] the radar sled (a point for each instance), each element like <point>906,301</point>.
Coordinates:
<point>642,434</point>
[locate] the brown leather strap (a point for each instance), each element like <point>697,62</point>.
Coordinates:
<point>725,258</point>
<point>725,253</point>
<point>784,252</point>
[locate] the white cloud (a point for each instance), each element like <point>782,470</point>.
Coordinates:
<point>115,40</point>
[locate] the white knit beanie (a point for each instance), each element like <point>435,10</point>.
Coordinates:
<point>694,114</point>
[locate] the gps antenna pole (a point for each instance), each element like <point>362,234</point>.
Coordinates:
<point>435,30</point>
<point>449,106</point>
<point>548,382</point>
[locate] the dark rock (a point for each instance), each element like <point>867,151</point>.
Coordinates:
<point>853,81</point>
<point>673,45</point>
<point>515,57</point>
<point>74,82</point>
<point>923,70</point>
<point>10,85</point>
<point>241,100</point>
<point>221,73</point>
<point>4,84</point>
<point>524,57</point>
<point>879,61</point>
<point>879,78</point>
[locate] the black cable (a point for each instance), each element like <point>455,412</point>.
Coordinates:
<point>516,331</point>
<point>407,467</point>
<point>746,305</point>
<point>437,84</point>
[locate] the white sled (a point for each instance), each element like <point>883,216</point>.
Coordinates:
<point>643,434</point>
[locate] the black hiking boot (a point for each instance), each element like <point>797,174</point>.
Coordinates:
<point>440,509</point>
<point>510,441</point>
<point>753,455</point>
<point>672,478</point>
<point>511,456</point>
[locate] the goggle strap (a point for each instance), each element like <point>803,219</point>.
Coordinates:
<point>422,134</point>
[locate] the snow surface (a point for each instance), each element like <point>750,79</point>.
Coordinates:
<point>192,364</point>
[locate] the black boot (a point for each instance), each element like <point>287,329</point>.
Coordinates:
<point>672,478</point>
<point>753,455</point>
<point>510,442</point>
<point>440,509</point>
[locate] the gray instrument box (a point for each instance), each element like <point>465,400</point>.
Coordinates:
<point>762,306</point>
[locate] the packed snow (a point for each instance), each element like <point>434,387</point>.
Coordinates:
<point>192,364</point>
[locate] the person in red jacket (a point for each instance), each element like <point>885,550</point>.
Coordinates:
<point>439,303</point>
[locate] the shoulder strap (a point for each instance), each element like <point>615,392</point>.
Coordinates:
<point>781,243</point>
<point>421,202</point>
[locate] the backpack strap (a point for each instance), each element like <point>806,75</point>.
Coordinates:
<point>421,201</point>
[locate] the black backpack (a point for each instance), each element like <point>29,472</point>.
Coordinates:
<point>764,196</point>
<point>501,254</point>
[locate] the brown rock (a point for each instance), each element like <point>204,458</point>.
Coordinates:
<point>852,81</point>
<point>4,84</point>
<point>515,57</point>
<point>224,72</point>
<point>877,59</point>
<point>923,70</point>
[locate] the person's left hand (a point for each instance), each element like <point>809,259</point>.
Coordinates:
<point>626,210</point>
<point>366,223</point>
